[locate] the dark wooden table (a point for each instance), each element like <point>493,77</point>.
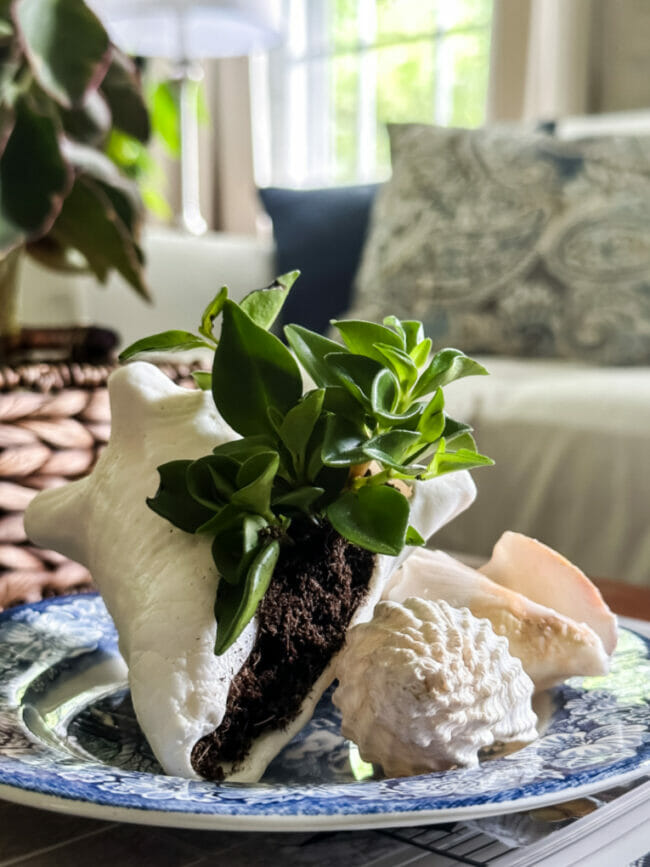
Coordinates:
<point>39,838</point>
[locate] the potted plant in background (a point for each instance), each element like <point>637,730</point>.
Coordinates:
<point>63,89</point>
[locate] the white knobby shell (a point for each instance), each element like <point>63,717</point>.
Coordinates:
<point>424,686</point>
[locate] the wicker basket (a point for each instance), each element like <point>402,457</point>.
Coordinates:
<point>54,423</point>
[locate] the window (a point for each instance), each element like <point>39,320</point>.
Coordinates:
<point>347,68</point>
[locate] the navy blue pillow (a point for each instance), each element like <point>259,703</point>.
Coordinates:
<point>320,232</point>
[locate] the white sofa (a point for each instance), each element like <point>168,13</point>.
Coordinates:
<point>571,442</point>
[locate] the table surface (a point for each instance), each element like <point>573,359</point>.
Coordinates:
<point>39,838</point>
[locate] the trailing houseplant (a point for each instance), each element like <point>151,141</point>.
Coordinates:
<point>63,88</point>
<point>344,451</point>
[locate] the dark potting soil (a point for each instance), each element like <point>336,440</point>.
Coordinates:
<point>318,584</point>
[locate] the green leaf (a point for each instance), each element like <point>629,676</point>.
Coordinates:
<point>263,305</point>
<point>339,401</point>
<point>446,366</point>
<point>235,545</point>
<point>255,483</point>
<point>311,350</point>
<point>211,312</point>
<point>375,518</point>
<point>34,177</point>
<point>356,373</point>
<point>89,122</point>
<point>252,371</point>
<point>420,352</point>
<point>236,605</point>
<point>392,448</point>
<point>413,537</point>
<point>396,325</point>
<point>88,222</point>
<point>432,421</point>
<point>246,447</point>
<point>414,331</point>
<point>401,364</point>
<point>448,462</point>
<point>65,44</point>
<point>384,393</point>
<point>301,499</point>
<point>454,429</point>
<point>360,337</point>
<point>298,425</point>
<point>212,480</point>
<point>342,443</point>
<point>203,379</point>
<point>166,341</point>
<point>173,500</point>
<point>121,88</point>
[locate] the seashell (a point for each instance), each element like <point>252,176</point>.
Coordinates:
<point>424,686</point>
<point>159,583</point>
<point>551,646</point>
<point>546,577</point>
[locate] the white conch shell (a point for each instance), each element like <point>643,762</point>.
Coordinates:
<point>424,686</point>
<point>551,646</point>
<point>159,583</point>
<point>544,576</point>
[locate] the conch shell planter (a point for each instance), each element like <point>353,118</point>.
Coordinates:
<point>159,583</point>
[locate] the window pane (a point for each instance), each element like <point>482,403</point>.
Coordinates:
<point>405,18</point>
<point>470,77</point>
<point>345,76</point>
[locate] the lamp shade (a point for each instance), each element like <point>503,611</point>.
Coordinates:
<point>184,30</point>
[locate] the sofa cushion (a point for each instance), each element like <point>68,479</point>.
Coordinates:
<point>320,232</point>
<point>514,243</point>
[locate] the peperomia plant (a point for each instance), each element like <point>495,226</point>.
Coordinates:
<point>344,451</point>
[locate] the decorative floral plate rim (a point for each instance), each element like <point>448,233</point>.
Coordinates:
<point>598,737</point>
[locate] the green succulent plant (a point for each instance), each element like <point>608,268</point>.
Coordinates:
<point>341,451</point>
<point>63,88</point>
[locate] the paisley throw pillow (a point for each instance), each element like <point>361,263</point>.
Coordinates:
<point>514,244</point>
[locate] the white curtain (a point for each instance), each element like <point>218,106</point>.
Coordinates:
<point>540,63</point>
<point>554,58</point>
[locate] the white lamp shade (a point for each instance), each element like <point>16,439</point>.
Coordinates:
<point>186,30</point>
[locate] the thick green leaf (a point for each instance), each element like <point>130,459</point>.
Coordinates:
<point>432,422</point>
<point>413,537</point>
<point>255,483</point>
<point>392,448</point>
<point>88,222</point>
<point>446,366</point>
<point>414,331</point>
<point>166,341</point>
<point>342,443</point>
<point>121,88</point>
<point>376,518</point>
<point>384,393</point>
<point>252,371</point>
<point>420,352</point>
<point>211,312</point>
<point>88,122</point>
<point>301,499</point>
<point>34,177</point>
<point>298,425</point>
<point>66,46</point>
<point>263,305</point>
<point>356,373</point>
<point>173,500</point>
<point>212,480</point>
<point>339,401</point>
<point>360,337</point>
<point>235,545</point>
<point>311,350</point>
<point>203,379</point>
<point>448,462</point>
<point>454,429</point>
<point>236,605</point>
<point>395,324</point>
<point>246,447</point>
<point>401,364</point>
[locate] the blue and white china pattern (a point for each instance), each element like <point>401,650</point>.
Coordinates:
<point>67,729</point>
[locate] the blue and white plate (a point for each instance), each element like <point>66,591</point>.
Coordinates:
<point>69,741</point>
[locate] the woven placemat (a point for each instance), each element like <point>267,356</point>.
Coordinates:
<point>54,423</point>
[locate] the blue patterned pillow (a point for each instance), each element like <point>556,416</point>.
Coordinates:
<point>514,244</point>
